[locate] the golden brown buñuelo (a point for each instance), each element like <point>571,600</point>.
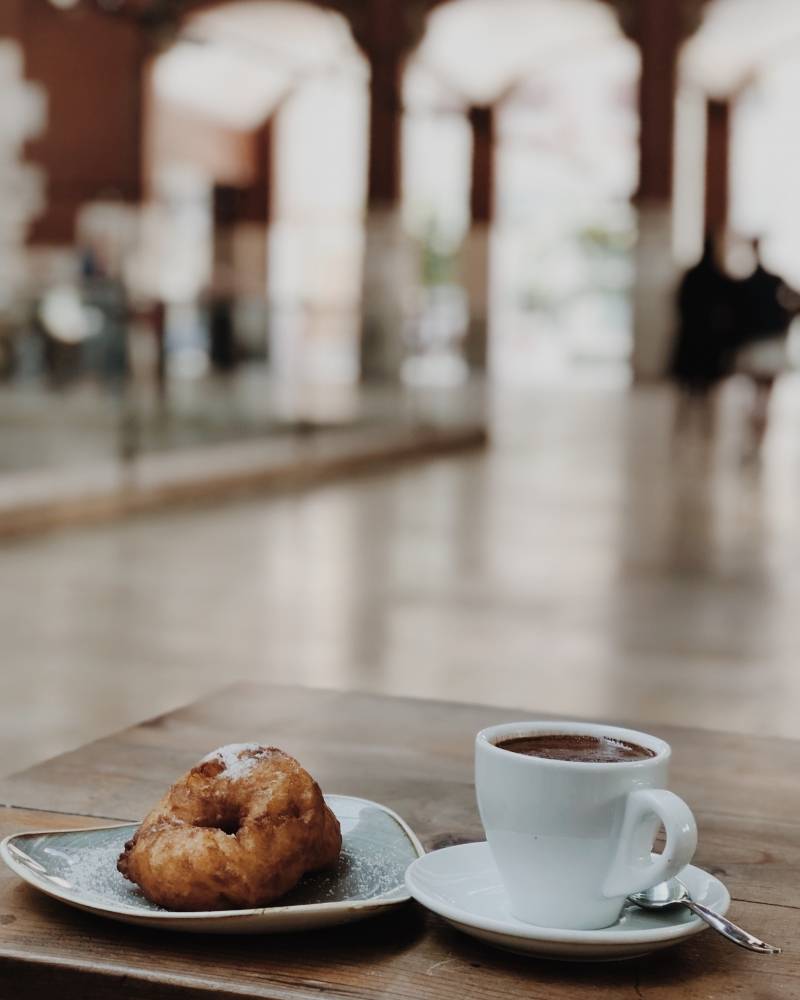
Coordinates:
<point>239,830</point>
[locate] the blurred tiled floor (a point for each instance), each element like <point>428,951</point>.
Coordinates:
<point>61,455</point>
<point>586,564</point>
<point>87,424</point>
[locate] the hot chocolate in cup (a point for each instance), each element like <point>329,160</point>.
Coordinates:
<point>571,811</point>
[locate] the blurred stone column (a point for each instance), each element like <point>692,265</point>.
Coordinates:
<point>688,195</point>
<point>717,164</point>
<point>249,232</point>
<point>655,25</point>
<point>239,277</point>
<point>251,246</point>
<point>475,256</point>
<point>22,116</point>
<point>389,274</point>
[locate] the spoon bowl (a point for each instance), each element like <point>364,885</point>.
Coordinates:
<point>674,893</point>
<point>670,893</point>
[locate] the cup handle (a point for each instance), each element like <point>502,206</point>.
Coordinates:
<point>634,869</point>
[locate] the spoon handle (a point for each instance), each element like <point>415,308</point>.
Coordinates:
<point>730,930</point>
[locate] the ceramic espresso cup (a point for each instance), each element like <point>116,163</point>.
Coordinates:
<point>572,839</point>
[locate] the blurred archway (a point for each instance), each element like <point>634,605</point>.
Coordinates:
<point>255,167</point>
<point>520,159</point>
<point>739,79</point>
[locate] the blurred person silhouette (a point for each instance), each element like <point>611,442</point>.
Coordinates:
<point>705,341</point>
<point>106,301</point>
<point>222,332</point>
<point>107,308</point>
<point>766,308</point>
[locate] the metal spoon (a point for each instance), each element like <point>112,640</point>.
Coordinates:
<point>674,892</point>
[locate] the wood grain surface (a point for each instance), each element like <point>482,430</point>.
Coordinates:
<point>415,756</point>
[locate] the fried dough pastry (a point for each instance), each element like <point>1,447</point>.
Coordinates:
<point>239,830</point>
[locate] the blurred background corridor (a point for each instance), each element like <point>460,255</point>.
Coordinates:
<point>435,348</point>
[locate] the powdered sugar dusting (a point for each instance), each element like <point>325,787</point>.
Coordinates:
<point>235,766</point>
<point>93,873</point>
<point>375,855</point>
<point>356,876</point>
<point>362,872</point>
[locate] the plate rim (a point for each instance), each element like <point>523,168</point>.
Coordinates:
<point>599,936</point>
<point>190,916</point>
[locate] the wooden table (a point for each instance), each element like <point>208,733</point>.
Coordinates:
<point>415,756</point>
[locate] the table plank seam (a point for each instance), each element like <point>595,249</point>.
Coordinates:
<point>761,902</point>
<point>65,812</point>
<point>702,815</point>
<point>277,989</point>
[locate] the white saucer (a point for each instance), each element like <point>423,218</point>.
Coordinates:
<point>462,885</point>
